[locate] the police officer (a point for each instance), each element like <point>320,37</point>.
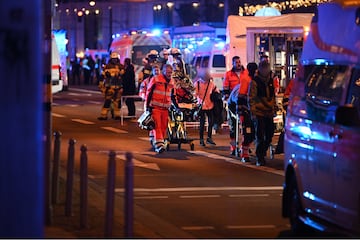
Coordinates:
<point>110,85</point>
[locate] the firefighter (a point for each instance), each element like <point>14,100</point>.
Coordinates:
<point>234,76</point>
<point>151,58</point>
<point>176,61</point>
<point>239,106</point>
<point>110,85</point>
<point>158,100</point>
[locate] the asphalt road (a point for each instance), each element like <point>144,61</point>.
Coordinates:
<point>204,193</point>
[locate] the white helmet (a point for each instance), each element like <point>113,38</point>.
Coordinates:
<point>153,54</point>
<point>175,51</point>
<point>114,55</point>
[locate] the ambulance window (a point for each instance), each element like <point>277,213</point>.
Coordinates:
<point>219,61</point>
<point>354,90</point>
<point>205,62</point>
<point>197,62</point>
<point>324,88</point>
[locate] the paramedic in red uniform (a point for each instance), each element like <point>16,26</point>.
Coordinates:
<point>158,100</point>
<point>234,76</point>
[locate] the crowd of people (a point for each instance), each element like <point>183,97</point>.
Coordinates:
<point>163,84</point>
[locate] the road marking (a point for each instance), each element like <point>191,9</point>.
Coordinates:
<point>251,226</point>
<point>137,163</point>
<point>96,176</point>
<point>95,102</point>
<point>152,197</point>
<point>72,105</point>
<point>196,189</point>
<point>235,161</point>
<point>197,228</point>
<point>58,115</point>
<point>82,121</point>
<point>116,130</point>
<point>200,196</point>
<point>248,195</point>
<point>80,94</point>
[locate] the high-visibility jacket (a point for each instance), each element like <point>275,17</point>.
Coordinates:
<point>232,79</point>
<point>159,91</point>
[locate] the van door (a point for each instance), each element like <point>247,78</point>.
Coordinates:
<point>324,91</point>
<point>347,165</point>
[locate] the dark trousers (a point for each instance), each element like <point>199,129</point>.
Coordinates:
<point>130,103</point>
<point>210,116</point>
<point>264,129</point>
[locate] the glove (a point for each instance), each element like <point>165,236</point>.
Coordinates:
<point>149,109</point>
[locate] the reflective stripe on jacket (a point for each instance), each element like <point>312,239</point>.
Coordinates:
<point>159,92</point>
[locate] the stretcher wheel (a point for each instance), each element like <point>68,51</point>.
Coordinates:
<point>192,146</point>
<point>167,147</point>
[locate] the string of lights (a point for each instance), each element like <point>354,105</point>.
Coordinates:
<point>249,10</point>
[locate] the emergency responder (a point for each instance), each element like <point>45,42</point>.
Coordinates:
<point>151,58</point>
<point>165,56</point>
<point>158,100</point>
<point>176,61</point>
<point>204,88</point>
<point>262,108</point>
<point>239,107</point>
<point>234,76</point>
<point>110,85</point>
<point>142,93</point>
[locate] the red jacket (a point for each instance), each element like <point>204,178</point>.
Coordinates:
<point>158,93</point>
<point>232,79</point>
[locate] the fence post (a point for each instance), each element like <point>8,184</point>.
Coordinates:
<point>110,195</point>
<point>83,187</point>
<point>56,166</point>
<point>70,177</point>
<point>129,195</point>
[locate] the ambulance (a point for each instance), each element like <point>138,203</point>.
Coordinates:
<point>137,44</point>
<point>56,80</point>
<point>322,130</point>
<point>209,56</point>
<point>59,77</point>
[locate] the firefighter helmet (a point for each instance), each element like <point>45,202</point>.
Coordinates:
<point>153,54</point>
<point>114,55</point>
<point>175,52</point>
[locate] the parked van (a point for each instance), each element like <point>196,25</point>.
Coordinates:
<point>322,129</point>
<point>210,57</point>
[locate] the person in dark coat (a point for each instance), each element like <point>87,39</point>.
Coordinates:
<point>129,86</point>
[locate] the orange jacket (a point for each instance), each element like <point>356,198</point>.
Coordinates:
<point>232,79</point>
<point>158,93</point>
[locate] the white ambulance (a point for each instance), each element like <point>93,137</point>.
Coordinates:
<point>137,44</point>
<point>56,76</point>
<point>322,129</point>
<point>209,56</point>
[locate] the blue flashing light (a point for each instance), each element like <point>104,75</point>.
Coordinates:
<point>320,62</point>
<point>156,32</point>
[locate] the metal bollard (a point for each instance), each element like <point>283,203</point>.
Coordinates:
<point>110,195</point>
<point>83,187</point>
<point>70,178</point>
<point>56,168</point>
<point>129,195</point>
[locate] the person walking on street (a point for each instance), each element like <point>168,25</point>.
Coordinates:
<point>262,108</point>
<point>111,87</point>
<point>158,100</point>
<point>129,87</point>
<point>204,86</point>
